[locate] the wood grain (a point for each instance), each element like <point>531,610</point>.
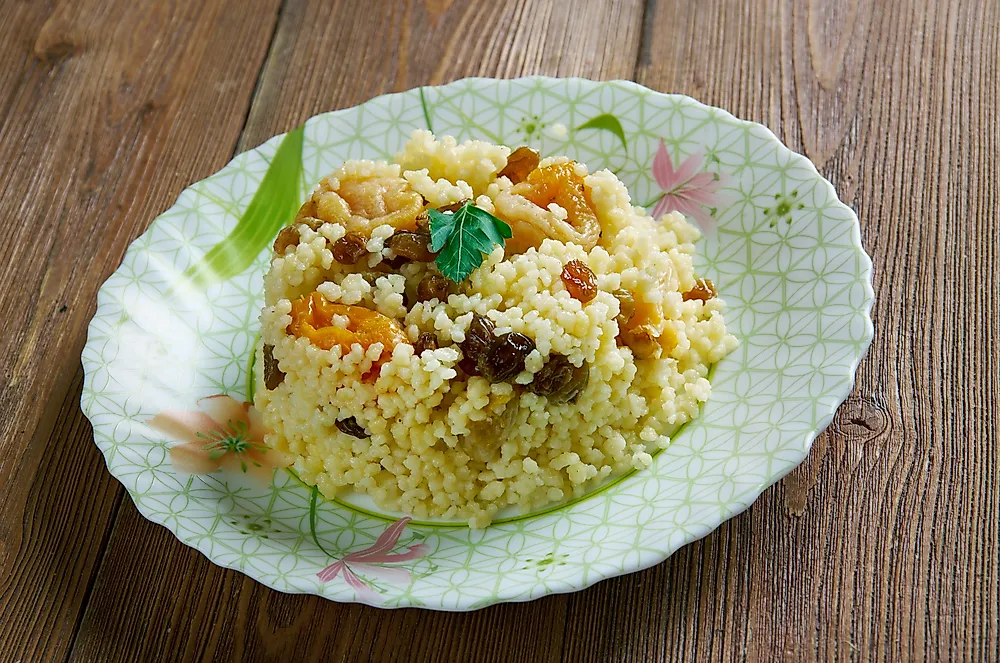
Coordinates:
<point>109,109</point>
<point>882,546</point>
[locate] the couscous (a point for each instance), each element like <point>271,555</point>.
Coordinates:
<point>469,328</point>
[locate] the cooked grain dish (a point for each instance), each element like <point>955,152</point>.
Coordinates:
<point>398,368</point>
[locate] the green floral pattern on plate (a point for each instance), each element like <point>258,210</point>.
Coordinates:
<point>785,252</point>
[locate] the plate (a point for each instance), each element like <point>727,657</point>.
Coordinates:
<point>176,323</point>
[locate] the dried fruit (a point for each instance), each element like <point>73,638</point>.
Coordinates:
<point>478,338</point>
<point>521,161</point>
<point>642,341</point>
<point>288,236</point>
<point>579,280</point>
<point>433,286</point>
<point>703,289</point>
<point>485,437</point>
<point>626,306</point>
<point>273,376</point>
<point>348,249</point>
<point>426,341</point>
<point>454,207</point>
<point>414,246</point>
<point>351,427</point>
<point>313,315</point>
<point>504,359</point>
<point>525,208</point>
<point>362,203</point>
<point>560,380</point>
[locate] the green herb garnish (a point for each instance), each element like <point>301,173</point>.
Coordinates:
<point>460,239</point>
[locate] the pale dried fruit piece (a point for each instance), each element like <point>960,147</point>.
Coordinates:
<point>524,207</point>
<point>642,340</point>
<point>361,204</point>
<point>485,437</point>
<point>626,306</point>
<point>521,161</point>
<point>703,289</point>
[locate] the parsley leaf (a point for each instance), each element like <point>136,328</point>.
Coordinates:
<point>461,238</point>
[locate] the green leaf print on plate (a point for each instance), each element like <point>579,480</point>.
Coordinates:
<point>798,297</point>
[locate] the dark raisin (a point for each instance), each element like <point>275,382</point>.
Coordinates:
<point>273,376</point>
<point>555,374</point>
<point>412,246</point>
<point>577,384</point>
<point>560,380</point>
<point>478,337</point>
<point>626,306</point>
<point>504,359</point>
<point>348,249</point>
<point>521,161</point>
<point>351,427</point>
<point>703,289</point>
<point>454,207</point>
<point>426,341</point>
<point>433,286</point>
<point>579,281</point>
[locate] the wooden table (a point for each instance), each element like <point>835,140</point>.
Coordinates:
<point>883,545</point>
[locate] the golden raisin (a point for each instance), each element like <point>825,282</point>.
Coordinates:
<point>521,161</point>
<point>626,306</point>
<point>273,376</point>
<point>703,289</point>
<point>433,286</point>
<point>411,245</point>
<point>289,236</point>
<point>348,249</point>
<point>579,281</point>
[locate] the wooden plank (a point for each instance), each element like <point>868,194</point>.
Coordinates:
<point>107,110</point>
<point>325,56</point>
<point>882,546</point>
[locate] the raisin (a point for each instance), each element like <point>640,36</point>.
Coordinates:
<point>504,359</point>
<point>478,338</point>
<point>351,427</point>
<point>703,289</point>
<point>432,286</point>
<point>348,249</point>
<point>521,161</point>
<point>412,246</point>
<point>579,281</point>
<point>289,236</point>
<point>642,341</point>
<point>454,207</point>
<point>626,306</point>
<point>560,380</point>
<point>273,376</point>
<point>426,341</point>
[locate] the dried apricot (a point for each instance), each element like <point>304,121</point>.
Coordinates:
<point>313,318</point>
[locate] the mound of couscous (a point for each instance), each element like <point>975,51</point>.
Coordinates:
<point>470,328</point>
